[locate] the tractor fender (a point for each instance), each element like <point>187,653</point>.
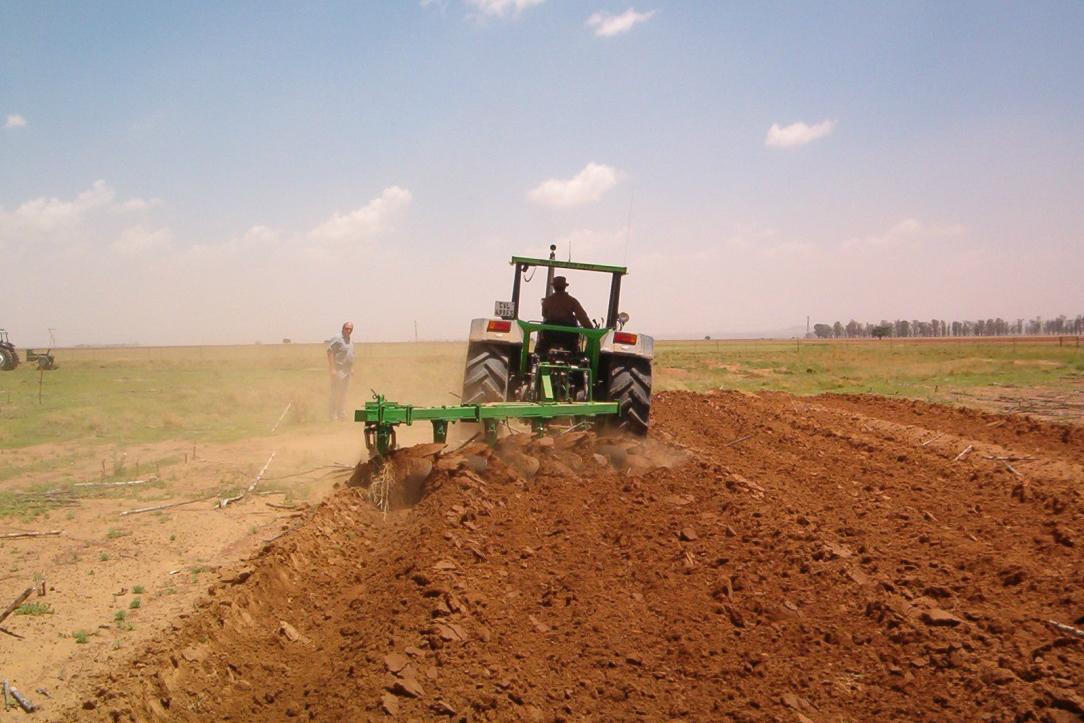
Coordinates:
<point>643,347</point>
<point>483,330</point>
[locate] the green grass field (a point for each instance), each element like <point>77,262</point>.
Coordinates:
<point>211,394</point>
<point>216,394</point>
<point>920,369</point>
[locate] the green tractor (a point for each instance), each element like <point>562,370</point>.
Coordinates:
<point>604,363</point>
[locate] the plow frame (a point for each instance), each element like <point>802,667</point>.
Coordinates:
<point>381,417</point>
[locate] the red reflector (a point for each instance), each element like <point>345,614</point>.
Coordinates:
<point>499,326</point>
<point>623,337</point>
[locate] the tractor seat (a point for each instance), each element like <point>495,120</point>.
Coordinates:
<point>557,355</point>
<point>548,340</point>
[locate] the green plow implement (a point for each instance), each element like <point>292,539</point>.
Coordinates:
<point>381,417</point>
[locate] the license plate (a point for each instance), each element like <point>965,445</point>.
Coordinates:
<point>504,309</point>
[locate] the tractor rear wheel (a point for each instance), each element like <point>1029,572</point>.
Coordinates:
<point>487,373</point>
<point>629,383</point>
<point>8,360</point>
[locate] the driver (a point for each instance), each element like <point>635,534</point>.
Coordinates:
<point>563,309</point>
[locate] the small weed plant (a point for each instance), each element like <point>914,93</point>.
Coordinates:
<point>34,608</point>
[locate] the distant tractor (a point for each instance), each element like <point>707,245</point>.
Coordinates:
<point>604,363</point>
<point>44,360</point>
<point>9,359</point>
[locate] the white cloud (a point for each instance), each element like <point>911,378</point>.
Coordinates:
<point>585,187</point>
<point>606,25</point>
<point>797,134</point>
<point>907,231</point>
<point>260,235</point>
<point>43,215</point>
<point>500,8</point>
<point>15,121</point>
<point>788,249</point>
<point>361,224</point>
<point>765,242</point>
<point>139,204</point>
<point>93,219</point>
<point>139,239</point>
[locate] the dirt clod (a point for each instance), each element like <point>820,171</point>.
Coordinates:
<point>408,687</point>
<point>937,616</point>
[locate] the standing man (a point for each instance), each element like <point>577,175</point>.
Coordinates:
<point>340,363</point>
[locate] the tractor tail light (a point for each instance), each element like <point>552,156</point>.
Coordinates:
<point>501,327</point>
<point>623,337</point>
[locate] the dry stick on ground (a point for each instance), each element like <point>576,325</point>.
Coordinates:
<point>223,502</point>
<point>53,497</point>
<point>5,631</point>
<point>166,506</point>
<point>116,484</point>
<point>933,439</point>
<point>13,535</point>
<point>739,440</point>
<point>1010,458</point>
<point>962,455</point>
<point>332,469</point>
<point>22,701</point>
<point>272,539</point>
<point>1011,468</point>
<point>18,601</point>
<point>281,416</point>
<point>1076,632</point>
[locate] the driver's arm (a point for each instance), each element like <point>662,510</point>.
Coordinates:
<point>581,315</point>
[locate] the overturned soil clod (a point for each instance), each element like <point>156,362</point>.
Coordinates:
<point>758,557</point>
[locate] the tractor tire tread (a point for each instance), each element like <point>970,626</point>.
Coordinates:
<point>486,375</point>
<point>8,359</point>
<point>629,384</point>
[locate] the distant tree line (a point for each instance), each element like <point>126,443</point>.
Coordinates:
<point>939,328</point>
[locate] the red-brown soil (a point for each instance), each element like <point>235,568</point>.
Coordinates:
<point>809,559</point>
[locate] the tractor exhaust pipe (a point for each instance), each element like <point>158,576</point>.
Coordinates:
<point>549,271</point>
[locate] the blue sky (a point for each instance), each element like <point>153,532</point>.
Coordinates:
<point>241,171</point>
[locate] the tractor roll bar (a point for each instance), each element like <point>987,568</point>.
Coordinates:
<point>522,263</point>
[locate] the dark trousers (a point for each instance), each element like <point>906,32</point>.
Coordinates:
<point>567,340</point>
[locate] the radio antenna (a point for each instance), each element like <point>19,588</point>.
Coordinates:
<point>628,225</point>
